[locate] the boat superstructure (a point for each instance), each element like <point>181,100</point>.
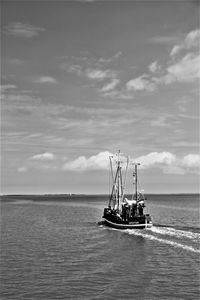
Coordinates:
<point>121,212</point>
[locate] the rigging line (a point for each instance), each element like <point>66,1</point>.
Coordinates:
<point>124,184</point>
<point>140,188</point>
<point>143,194</point>
<point>108,182</point>
<point>141,191</point>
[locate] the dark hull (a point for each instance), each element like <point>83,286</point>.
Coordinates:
<point>128,225</point>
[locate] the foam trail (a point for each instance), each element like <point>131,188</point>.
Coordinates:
<point>154,238</point>
<point>175,232</point>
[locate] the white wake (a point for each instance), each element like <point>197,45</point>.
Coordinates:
<point>175,232</point>
<point>149,236</point>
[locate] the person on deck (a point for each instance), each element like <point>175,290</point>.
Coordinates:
<point>140,207</point>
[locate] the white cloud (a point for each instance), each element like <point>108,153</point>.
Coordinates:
<point>187,69</point>
<point>18,29</point>
<point>140,83</point>
<point>110,59</point>
<point>191,41</point>
<point>112,94</point>
<point>170,163</point>
<point>191,161</point>
<point>154,67</point>
<point>95,74</point>
<point>156,158</point>
<point>98,74</point>
<point>166,161</point>
<point>101,161</point>
<point>184,68</point>
<point>95,162</point>
<point>44,161</point>
<point>46,79</point>
<point>43,156</point>
<point>175,50</point>
<point>77,69</point>
<point>96,70</point>
<point>110,86</point>
<point>82,63</point>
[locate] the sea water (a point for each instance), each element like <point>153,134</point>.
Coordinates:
<point>53,248</point>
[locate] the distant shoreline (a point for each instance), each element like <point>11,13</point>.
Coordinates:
<point>68,197</point>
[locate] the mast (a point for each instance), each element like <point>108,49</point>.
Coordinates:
<point>117,187</point>
<point>114,191</point>
<point>118,179</point>
<point>111,168</point>
<point>136,180</point>
<point>125,177</point>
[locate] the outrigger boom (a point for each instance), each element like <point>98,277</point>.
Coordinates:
<point>122,213</point>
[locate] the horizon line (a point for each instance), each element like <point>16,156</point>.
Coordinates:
<point>98,194</point>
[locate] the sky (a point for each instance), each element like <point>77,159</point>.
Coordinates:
<point>82,79</point>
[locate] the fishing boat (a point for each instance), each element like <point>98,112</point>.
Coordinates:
<point>121,212</point>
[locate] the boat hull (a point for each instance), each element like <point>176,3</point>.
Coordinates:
<point>127,226</point>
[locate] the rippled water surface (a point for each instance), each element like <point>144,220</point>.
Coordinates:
<point>52,248</point>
